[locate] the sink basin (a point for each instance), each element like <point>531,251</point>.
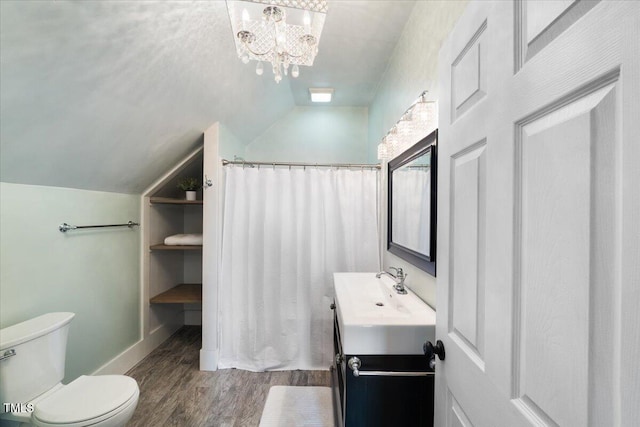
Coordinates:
<point>374,319</point>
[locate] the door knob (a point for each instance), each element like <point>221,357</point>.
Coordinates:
<point>431,351</point>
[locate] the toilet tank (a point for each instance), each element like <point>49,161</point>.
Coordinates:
<point>40,346</point>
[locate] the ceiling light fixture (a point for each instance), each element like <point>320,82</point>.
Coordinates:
<point>282,32</point>
<point>320,94</point>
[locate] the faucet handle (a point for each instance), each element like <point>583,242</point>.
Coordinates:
<point>399,273</point>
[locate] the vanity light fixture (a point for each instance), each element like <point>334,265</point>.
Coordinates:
<point>420,119</point>
<point>321,94</point>
<point>281,32</point>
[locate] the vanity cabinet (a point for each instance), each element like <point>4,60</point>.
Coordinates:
<point>379,398</point>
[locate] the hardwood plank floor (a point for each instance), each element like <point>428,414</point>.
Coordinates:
<point>174,392</point>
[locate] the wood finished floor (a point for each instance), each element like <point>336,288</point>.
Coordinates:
<point>174,392</point>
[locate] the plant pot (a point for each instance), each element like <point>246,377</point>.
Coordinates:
<point>191,195</point>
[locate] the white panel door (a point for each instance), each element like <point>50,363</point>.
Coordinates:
<point>539,213</point>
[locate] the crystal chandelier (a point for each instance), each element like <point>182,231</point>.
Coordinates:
<point>284,33</point>
<point>420,119</point>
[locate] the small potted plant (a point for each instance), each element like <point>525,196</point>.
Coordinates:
<point>190,185</point>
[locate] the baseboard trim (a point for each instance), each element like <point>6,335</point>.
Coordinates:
<point>208,360</point>
<point>138,351</point>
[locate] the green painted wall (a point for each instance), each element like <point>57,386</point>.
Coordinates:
<point>230,145</point>
<point>413,68</point>
<point>315,134</point>
<point>95,274</point>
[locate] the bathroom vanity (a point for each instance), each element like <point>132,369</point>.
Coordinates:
<point>380,374</point>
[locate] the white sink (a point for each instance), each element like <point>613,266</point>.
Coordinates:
<point>374,319</point>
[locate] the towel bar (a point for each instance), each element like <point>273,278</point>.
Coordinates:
<point>354,363</point>
<point>64,227</point>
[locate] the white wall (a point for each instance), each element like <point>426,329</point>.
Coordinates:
<point>412,69</point>
<point>94,274</point>
<point>316,134</point>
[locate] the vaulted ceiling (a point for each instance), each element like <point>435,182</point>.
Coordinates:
<point>109,95</point>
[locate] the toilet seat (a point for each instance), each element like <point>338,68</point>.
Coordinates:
<point>87,401</point>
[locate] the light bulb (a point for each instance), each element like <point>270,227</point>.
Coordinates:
<point>259,69</point>
<point>245,58</point>
<point>307,22</point>
<point>383,152</point>
<point>295,71</point>
<point>245,18</point>
<point>392,143</point>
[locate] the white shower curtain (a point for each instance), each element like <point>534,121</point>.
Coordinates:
<point>286,231</point>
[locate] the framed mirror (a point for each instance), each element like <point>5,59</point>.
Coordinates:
<point>411,208</point>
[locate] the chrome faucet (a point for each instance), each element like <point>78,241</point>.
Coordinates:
<point>398,277</point>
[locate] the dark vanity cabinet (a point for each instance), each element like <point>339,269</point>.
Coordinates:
<point>376,397</point>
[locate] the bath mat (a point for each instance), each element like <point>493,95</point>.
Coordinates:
<point>288,406</point>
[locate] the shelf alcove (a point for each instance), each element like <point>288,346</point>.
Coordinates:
<point>173,273</point>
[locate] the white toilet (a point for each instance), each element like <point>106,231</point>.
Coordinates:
<point>32,356</point>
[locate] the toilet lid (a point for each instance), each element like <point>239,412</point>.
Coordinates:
<point>86,398</point>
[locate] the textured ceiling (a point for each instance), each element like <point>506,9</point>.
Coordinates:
<point>109,95</point>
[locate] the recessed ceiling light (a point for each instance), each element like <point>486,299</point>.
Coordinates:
<point>321,94</point>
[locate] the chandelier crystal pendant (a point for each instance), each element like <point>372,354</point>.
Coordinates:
<point>284,33</point>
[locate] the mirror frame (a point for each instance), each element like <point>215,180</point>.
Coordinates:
<point>424,262</point>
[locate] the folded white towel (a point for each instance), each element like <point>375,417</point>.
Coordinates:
<point>183,239</point>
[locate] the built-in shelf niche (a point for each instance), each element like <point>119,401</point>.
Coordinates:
<point>173,272</point>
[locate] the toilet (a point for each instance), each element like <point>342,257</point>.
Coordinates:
<point>32,356</point>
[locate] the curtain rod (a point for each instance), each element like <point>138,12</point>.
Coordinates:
<point>226,162</point>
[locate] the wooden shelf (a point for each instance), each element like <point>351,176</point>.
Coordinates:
<point>162,247</point>
<point>170,201</point>
<point>183,293</point>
